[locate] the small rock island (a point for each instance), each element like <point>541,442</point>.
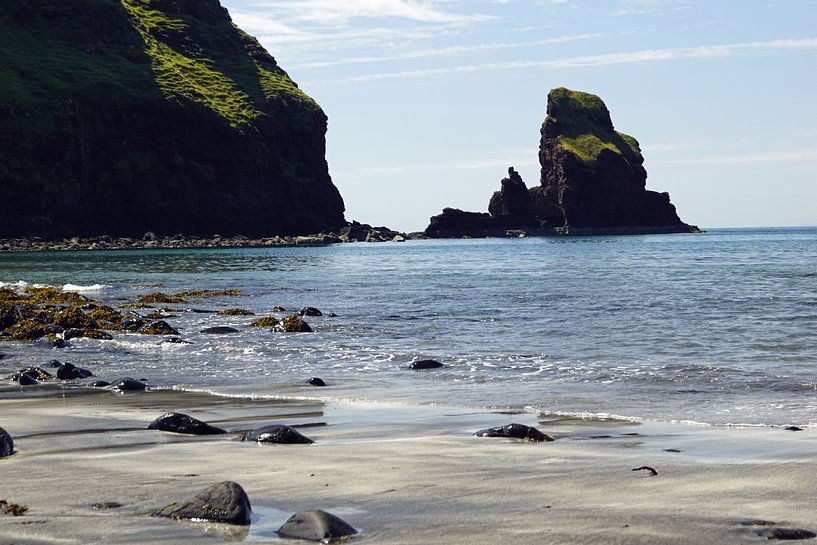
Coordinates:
<point>593,182</point>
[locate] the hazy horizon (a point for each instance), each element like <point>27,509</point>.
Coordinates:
<point>430,102</point>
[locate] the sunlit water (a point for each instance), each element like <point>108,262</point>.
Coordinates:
<point>713,328</point>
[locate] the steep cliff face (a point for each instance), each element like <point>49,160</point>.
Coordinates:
<point>592,182</point>
<point>123,116</point>
<point>593,178</point>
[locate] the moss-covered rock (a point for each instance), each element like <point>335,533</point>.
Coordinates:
<point>106,317</point>
<point>27,330</point>
<point>160,298</point>
<point>231,292</point>
<point>267,322</point>
<point>73,317</point>
<point>235,312</point>
<point>293,324</point>
<point>127,116</point>
<point>159,327</point>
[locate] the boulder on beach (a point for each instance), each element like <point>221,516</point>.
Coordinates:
<point>182,423</point>
<point>159,327</point>
<point>128,384</point>
<point>6,444</point>
<point>277,433</point>
<point>69,371</point>
<point>219,330</point>
<point>224,502</point>
<point>316,526</point>
<point>515,431</point>
<point>293,324</point>
<point>425,364</point>
<point>316,381</point>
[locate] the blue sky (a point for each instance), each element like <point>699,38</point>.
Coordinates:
<point>430,101</point>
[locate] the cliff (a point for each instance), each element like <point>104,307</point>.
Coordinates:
<point>592,182</point>
<point>126,116</point>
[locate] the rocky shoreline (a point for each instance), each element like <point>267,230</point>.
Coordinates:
<point>353,232</point>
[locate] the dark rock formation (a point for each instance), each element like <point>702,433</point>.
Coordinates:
<point>69,371</point>
<point>159,327</point>
<point>223,502</point>
<point>592,182</point>
<point>785,533</point>
<point>219,330</point>
<point>316,526</point>
<point>128,384</point>
<point>293,324</point>
<point>6,444</point>
<point>316,381</point>
<point>425,364</point>
<point>310,311</point>
<point>121,117</point>
<point>277,433</point>
<point>510,207</point>
<point>515,431</point>
<point>182,423</point>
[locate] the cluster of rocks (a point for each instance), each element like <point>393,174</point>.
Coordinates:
<point>592,182</point>
<point>47,312</point>
<point>351,232</point>
<point>227,502</point>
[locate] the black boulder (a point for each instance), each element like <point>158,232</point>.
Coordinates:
<point>310,311</point>
<point>316,526</point>
<point>515,431</point>
<point>277,433</point>
<point>219,330</point>
<point>6,444</point>
<point>182,423</point>
<point>425,364</point>
<point>128,384</point>
<point>316,381</point>
<point>224,502</point>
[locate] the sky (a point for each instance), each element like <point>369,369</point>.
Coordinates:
<point>430,101</point>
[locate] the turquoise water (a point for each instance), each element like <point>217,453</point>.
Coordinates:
<point>718,328</point>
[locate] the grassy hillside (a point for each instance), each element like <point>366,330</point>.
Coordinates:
<point>142,109</point>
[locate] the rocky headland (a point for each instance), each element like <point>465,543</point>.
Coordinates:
<point>127,116</point>
<point>593,182</point>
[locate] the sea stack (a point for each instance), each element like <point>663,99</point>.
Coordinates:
<point>127,116</point>
<point>592,182</point>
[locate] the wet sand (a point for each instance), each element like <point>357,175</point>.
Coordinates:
<point>399,474</point>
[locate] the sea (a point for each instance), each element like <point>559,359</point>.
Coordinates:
<point>713,329</point>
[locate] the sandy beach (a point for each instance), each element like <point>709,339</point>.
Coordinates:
<point>399,474</point>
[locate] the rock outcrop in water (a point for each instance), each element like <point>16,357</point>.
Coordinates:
<point>127,116</point>
<point>592,182</point>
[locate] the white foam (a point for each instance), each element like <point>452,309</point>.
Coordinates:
<point>20,285</point>
<point>79,288</point>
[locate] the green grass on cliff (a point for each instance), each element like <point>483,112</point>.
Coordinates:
<point>187,76</point>
<point>53,53</point>
<point>583,123</point>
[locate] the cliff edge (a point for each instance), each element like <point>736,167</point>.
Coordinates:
<point>592,182</point>
<point>126,116</point>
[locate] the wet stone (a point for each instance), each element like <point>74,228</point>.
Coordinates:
<point>6,444</point>
<point>316,526</point>
<point>316,381</point>
<point>310,311</point>
<point>515,431</point>
<point>182,423</point>
<point>785,533</point>
<point>277,433</point>
<point>128,384</point>
<point>224,502</point>
<point>425,364</point>
<point>219,330</point>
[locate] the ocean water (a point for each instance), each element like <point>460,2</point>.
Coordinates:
<point>718,328</point>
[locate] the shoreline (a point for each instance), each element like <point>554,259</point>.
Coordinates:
<point>398,474</point>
